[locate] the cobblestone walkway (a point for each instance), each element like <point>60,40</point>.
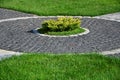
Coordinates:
<point>15,34</point>
<point>112,17</point>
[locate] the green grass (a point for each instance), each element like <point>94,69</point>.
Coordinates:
<point>63,7</point>
<point>72,32</point>
<point>60,67</point>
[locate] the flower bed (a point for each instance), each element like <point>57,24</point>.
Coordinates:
<point>61,26</point>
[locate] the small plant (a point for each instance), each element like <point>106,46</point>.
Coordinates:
<point>62,24</point>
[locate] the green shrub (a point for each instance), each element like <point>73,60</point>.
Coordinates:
<point>61,24</point>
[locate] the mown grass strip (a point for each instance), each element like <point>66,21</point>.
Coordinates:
<point>60,67</point>
<point>64,33</point>
<point>63,7</point>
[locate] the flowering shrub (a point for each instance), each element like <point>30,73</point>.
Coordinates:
<point>61,24</point>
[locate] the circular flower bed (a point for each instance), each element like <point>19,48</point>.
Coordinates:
<point>62,26</point>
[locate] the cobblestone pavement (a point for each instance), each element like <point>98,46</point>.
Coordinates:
<point>5,14</point>
<point>112,17</point>
<point>16,36</point>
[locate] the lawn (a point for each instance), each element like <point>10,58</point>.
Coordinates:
<point>63,7</point>
<point>67,33</point>
<point>60,67</point>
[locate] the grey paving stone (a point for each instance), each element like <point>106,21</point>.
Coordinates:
<point>5,14</point>
<point>113,16</point>
<point>103,36</point>
<point>15,35</point>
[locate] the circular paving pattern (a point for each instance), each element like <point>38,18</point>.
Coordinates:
<point>16,36</point>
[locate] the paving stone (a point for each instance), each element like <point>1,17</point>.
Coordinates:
<point>16,36</point>
<point>103,36</point>
<point>5,14</point>
<point>113,16</point>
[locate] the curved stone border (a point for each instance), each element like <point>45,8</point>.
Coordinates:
<point>111,16</point>
<point>107,19</point>
<point>7,54</point>
<point>23,18</point>
<point>19,18</point>
<point>80,34</point>
<point>116,51</point>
